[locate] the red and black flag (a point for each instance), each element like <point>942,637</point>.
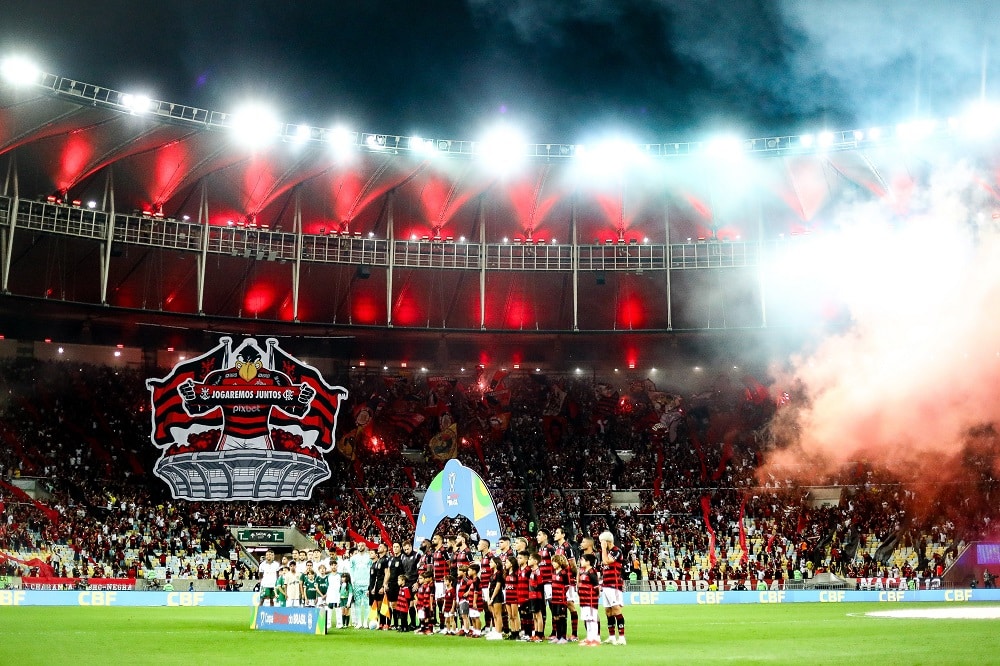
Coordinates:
<point>320,422</point>
<point>168,407</point>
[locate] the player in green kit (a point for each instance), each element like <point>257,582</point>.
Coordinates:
<point>346,598</point>
<point>279,588</point>
<point>322,587</point>
<point>309,586</point>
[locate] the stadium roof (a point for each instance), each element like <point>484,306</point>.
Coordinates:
<point>410,234</point>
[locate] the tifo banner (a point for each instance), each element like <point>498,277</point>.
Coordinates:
<point>51,583</point>
<point>243,425</point>
<point>296,620</point>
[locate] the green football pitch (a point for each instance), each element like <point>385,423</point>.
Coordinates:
<point>744,634</point>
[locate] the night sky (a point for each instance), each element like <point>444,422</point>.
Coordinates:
<point>564,70</point>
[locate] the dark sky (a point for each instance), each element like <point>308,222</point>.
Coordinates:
<point>563,69</point>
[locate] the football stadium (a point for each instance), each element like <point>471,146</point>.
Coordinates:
<point>279,388</point>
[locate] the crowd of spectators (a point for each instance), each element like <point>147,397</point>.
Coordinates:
<point>553,451</point>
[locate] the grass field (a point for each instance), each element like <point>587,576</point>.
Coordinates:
<point>745,634</point>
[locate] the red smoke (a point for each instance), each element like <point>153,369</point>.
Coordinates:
<point>912,385</point>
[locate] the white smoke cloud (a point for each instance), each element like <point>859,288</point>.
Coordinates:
<point>920,364</point>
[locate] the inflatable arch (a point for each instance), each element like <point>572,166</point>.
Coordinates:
<point>457,491</point>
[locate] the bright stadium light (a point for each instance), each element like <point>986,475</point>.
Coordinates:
<point>342,142</point>
<point>19,71</point>
<point>503,149</point>
<point>725,147</point>
<point>980,120</point>
<point>422,146</point>
<point>302,134</point>
<point>136,103</point>
<point>255,126</point>
<point>608,156</point>
<point>915,130</point>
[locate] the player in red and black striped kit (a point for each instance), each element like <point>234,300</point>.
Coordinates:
<point>523,574</point>
<point>612,559</point>
<point>440,566</point>
<point>425,603</point>
<point>565,548</point>
<point>401,609</point>
<point>587,585</point>
<point>545,552</point>
<point>536,599</point>
<point>512,597</point>
<point>560,583</point>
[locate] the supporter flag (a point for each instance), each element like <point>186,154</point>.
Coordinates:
<point>409,476</point>
<point>756,392</point>
<point>745,556</point>
<point>554,421</point>
<point>171,422</point>
<point>386,539</point>
<point>498,393</point>
<point>405,422</point>
<point>320,422</point>
<point>348,444</point>
<point>706,510</point>
<point>604,409</point>
<point>404,508</point>
<point>497,397</point>
<point>444,445</point>
<point>357,538</point>
<point>49,512</point>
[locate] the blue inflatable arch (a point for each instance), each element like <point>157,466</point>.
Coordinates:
<point>457,491</point>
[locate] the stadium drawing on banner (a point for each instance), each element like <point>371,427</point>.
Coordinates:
<point>244,425</point>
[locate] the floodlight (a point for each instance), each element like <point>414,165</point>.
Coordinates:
<point>375,141</point>
<point>612,155</point>
<point>725,146</point>
<point>342,141</point>
<point>916,130</point>
<point>875,133</point>
<point>807,140</point>
<point>427,146</point>
<point>825,139</point>
<point>503,149</point>
<point>980,121</point>
<point>20,71</point>
<point>255,125</point>
<point>302,133</point>
<point>136,103</point>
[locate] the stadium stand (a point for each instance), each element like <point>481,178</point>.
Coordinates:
<point>684,496</point>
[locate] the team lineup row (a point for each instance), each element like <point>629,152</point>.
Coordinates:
<point>448,588</point>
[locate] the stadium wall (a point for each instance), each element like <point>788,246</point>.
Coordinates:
<point>248,599</point>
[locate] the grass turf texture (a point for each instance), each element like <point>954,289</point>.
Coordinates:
<point>746,634</point>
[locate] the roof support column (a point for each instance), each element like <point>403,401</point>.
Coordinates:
<point>668,260</point>
<point>760,264</point>
<point>481,214</point>
<point>297,266</point>
<point>575,259</point>
<point>109,237</point>
<point>7,238</point>
<point>390,232</point>
<point>203,255</point>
